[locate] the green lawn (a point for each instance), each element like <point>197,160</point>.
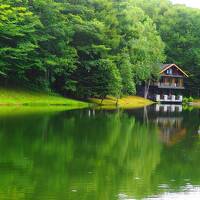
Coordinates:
<point>26,97</point>
<point>44,101</point>
<point>125,102</point>
<point>195,103</point>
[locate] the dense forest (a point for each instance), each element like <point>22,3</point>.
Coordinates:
<point>95,47</point>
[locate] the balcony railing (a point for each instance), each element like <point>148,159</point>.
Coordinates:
<point>174,74</point>
<point>169,98</point>
<point>170,85</point>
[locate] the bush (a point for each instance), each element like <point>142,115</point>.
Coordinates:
<point>187,100</point>
<point>190,99</point>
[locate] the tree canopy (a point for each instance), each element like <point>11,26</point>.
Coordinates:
<point>95,47</point>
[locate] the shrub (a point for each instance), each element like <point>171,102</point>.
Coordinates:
<point>185,100</point>
<point>190,99</point>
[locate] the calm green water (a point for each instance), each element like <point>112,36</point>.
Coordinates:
<point>100,155</point>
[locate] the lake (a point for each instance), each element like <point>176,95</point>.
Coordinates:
<point>147,153</point>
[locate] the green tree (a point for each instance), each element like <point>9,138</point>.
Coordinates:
<point>182,39</point>
<point>178,28</point>
<point>58,57</point>
<point>101,78</point>
<point>125,69</point>
<point>70,46</point>
<point>18,42</point>
<point>141,39</point>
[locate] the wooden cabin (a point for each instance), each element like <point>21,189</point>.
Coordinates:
<point>170,86</point>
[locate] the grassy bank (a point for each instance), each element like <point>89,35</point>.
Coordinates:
<point>26,97</point>
<point>195,103</point>
<point>39,101</point>
<point>125,102</point>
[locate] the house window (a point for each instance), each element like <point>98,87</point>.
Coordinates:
<point>169,71</point>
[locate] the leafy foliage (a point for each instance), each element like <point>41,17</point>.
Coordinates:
<point>84,48</point>
<point>178,27</point>
<point>18,41</point>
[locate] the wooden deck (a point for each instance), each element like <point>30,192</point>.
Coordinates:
<point>170,86</point>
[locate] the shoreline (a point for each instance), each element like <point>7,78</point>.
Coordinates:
<point>34,99</point>
<point>195,103</point>
<point>127,102</point>
<point>21,97</point>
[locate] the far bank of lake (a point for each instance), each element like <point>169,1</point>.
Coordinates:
<point>22,97</point>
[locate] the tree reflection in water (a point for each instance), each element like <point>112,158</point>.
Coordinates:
<point>98,154</point>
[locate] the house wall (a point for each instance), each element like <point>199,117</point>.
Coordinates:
<point>171,81</point>
<point>172,71</point>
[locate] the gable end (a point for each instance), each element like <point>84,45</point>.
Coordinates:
<point>168,66</point>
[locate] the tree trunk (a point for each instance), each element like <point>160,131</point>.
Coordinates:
<point>146,89</point>
<point>47,75</point>
<point>145,116</point>
<point>102,98</point>
<point>117,101</point>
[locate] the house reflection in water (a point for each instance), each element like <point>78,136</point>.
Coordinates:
<point>168,108</point>
<point>171,128</point>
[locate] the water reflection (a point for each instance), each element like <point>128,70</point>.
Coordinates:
<point>189,192</point>
<point>171,128</point>
<point>168,108</point>
<point>169,120</point>
<point>98,154</point>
